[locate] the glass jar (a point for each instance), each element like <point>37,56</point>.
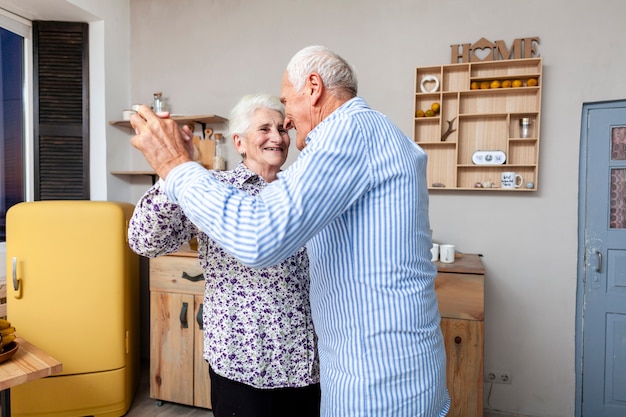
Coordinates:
<point>219,162</point>
<point>524,125</point>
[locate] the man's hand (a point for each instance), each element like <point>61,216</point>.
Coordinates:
<point>160,139</point>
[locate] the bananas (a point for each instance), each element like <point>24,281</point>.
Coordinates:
<point>7,333</point>
<point>4,324</point>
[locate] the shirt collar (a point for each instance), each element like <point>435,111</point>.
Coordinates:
<point>243,174</point>
<point>354,102</point>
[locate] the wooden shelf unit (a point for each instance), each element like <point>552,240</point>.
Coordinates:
<point>205,148</point>
<point>482,119</point>
<point>203,119</point>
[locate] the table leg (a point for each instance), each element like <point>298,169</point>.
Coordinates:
<point>5,399</point>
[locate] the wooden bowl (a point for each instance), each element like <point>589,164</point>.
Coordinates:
<point>8,351</point>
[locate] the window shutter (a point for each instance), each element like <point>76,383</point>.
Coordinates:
<point>61,110</point>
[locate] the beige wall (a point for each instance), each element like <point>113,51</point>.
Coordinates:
<point>205,54</point>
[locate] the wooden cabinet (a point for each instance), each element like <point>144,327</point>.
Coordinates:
<point>178,371</point>
<point>476,134</point>
<point>460,292</point>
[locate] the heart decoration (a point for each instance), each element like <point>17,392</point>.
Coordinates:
<point>429,81</point>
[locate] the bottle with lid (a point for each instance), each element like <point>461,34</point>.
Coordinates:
<point>219,161</point>
<point>157,103</point>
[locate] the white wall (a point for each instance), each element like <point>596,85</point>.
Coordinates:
<point>204,55</point>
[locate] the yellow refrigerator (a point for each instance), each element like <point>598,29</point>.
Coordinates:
<point>73,291</point>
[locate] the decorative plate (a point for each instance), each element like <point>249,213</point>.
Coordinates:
<point>8,351</point>
<point>488,157</point>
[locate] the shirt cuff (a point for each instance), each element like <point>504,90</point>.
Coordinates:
<point>181,177</point>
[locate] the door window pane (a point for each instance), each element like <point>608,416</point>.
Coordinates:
<point>617,204</point>
<point>618,144</point>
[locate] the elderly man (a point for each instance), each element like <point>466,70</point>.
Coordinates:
<point>357,197</point>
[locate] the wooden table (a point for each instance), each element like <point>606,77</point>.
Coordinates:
<point>28,363</point>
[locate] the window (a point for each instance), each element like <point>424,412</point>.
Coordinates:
<point>11,123</point>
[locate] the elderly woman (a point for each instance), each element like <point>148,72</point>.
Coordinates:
<point>259,339</point>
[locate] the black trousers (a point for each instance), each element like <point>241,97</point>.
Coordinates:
<point>231,398</point>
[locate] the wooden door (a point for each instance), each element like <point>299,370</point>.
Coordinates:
<point>601,304</point>
<point>464,366</point>
<point>171,346</point>
<point>202,380</point>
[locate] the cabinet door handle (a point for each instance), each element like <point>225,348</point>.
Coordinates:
<point>183,315</point>
<point>193,278</point>
<point>599,264</point>
<point>199,318</point>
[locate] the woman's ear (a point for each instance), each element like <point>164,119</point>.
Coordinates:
<point>239,144</point>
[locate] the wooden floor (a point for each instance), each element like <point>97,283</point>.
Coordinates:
<point>143,405</point>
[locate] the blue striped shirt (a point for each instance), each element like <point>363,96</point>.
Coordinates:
<point>357,197</point>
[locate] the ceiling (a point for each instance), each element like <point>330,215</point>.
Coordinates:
<point>60,10</point>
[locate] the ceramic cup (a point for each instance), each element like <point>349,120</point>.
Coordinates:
<point>511,180</point>
<point>446,253</point>
<point>127,114</point>
<point>434,251</point>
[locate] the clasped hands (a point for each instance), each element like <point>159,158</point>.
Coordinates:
<point>162,141</point>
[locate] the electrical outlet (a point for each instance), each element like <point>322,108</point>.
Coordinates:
<point>505,377</point>
<point>498,376</point>
<point>491,376</point>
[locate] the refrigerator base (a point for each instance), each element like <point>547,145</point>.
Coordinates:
<point>102,394</point>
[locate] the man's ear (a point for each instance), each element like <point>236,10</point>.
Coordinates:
<point>315,87</point>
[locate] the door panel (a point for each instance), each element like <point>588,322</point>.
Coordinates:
<point>602,284</point>
<point>71,275</point>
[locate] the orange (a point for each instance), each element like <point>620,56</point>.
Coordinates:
<point>474,85</point>
<point>516,83</point>
<point>419,113</point>
<point>429,113</point>
<point>532,82</point>
<point>435,107</point>
<point>484,85</point>
<point>506,84</point>
<point>495,84</point>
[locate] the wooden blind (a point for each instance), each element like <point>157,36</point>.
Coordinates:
<point>61,110</point>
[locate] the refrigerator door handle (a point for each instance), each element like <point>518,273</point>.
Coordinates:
<point>16,281</point>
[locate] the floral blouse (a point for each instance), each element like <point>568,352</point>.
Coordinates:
<point>258,327</point>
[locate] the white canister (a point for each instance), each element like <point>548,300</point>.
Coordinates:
<point>446,253</point>
<point>434,252</point>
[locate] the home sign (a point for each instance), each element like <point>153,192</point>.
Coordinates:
<point>485,50</point>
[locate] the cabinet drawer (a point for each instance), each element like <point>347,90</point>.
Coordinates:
<point>460,296</point>
<point>176,274</point>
